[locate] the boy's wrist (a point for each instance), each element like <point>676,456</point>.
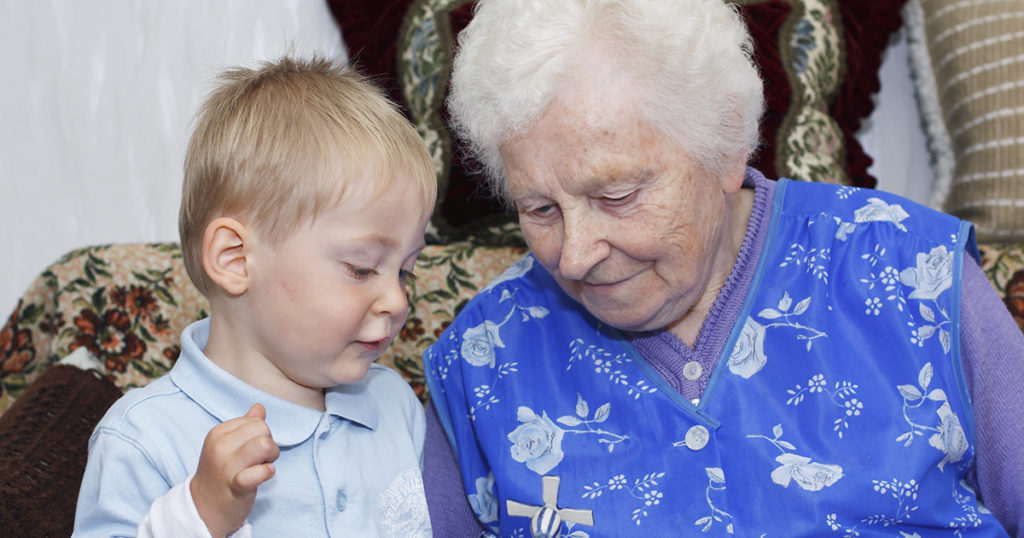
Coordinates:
<point>174,514</point>
<point>204,514</point>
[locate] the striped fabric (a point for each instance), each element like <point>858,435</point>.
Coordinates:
<point>968,60</point>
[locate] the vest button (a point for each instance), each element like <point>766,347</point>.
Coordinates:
<point>341,501</point>
<point>692,370</point>
<point>697,437</point>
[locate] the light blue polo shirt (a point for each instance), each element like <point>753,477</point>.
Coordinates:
<point>352,470</point>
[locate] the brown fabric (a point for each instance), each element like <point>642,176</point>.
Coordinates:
<point>43,448</point>
<point>977,69</point>
<point>867,28</point>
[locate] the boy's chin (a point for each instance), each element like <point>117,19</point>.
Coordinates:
<point>353,372</point>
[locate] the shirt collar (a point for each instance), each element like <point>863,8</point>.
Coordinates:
<point>353,401</point>
<point>226,397</point>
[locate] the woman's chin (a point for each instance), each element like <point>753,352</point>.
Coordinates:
<point>623,317</point>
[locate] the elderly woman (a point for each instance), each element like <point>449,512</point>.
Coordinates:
<point>692,348</point>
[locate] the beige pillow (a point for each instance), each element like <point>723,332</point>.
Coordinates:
<point>968,62</point>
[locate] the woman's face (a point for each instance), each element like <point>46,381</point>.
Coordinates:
<point>621,217</point>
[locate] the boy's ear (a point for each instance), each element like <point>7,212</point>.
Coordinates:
<point>225,247</point>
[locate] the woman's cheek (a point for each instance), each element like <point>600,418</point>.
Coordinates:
<point>544,242</point>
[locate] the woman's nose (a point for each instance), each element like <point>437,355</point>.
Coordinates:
<point>583,246</point>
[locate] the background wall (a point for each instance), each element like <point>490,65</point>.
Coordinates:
<point>95,109</point>
<point>97,99</point>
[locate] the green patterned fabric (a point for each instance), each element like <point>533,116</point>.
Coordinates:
<point>128,303</point>
<point>1004,267</point>
<point>810,143</point>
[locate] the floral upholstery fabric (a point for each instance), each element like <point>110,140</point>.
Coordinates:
<point>128,303</point>
<point>1004,266</point>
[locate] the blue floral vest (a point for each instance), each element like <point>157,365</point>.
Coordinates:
<point>838,408</point>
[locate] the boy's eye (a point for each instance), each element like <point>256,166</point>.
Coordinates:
<point>360,273</point>
<point>407,277</point>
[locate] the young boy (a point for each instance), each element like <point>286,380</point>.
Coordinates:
<point>305,201</point>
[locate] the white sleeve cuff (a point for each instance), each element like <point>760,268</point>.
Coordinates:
<point>174,515</point>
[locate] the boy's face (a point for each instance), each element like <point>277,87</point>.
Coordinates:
<point>327,301</point>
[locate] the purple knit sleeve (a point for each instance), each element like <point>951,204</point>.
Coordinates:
<point>450,514</point>
<point>992,349</point>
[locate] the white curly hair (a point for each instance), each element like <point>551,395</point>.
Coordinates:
<point>690,62</point>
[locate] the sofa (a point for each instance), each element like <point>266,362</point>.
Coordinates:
<point>105,318</point>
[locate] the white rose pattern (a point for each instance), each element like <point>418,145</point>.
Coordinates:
<point>480,342</point>
<point>932,275</point>
<point>926,281</point>
<point>748,355</point>
<point>793,468</point>
<point>878,210</point>
<point>514,271</point>
<point>807,474</point>
<point>537,440</point>
<point>948,436</point>
<point>716,483</point>
<point>484,503</point>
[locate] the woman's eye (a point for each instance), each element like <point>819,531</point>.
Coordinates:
<point>360,273</point>
<point>541,211</point>
<point>619,200</point>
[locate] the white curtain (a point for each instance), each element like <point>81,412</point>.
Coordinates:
<point>96,103</point>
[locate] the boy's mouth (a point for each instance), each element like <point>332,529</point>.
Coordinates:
<point>376,345</point>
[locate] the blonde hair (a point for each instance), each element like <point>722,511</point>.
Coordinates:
<point>690,62</point>
<point>278,144</point>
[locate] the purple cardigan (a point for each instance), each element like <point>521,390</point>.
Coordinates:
<point>992,349</point>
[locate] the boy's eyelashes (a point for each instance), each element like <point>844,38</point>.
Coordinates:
<point>363,273</point>
<point>360,273</point>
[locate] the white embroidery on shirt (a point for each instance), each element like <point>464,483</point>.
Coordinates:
<point>403,506</point>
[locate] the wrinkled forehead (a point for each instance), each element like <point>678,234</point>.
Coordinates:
<point>581,137</point>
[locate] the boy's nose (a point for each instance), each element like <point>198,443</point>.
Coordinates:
<point>392,301</point>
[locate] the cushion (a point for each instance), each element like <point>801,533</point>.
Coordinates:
<point>969,72</point>
<point>1003,264</point>
<point>447,277</point>
<point>127,304</point>
<point>819,60</point>
<point>44,446</point>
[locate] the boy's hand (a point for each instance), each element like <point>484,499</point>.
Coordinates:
<point>236,458</point>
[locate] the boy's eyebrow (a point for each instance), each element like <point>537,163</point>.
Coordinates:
<point>389,242</point>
